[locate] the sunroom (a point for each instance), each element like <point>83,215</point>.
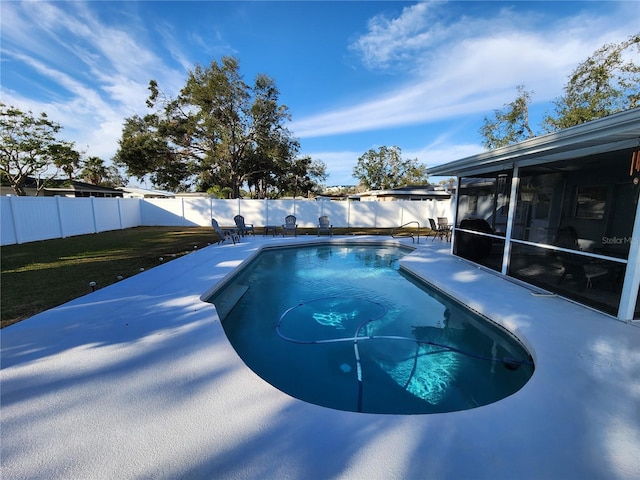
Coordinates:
<point>559,212</point>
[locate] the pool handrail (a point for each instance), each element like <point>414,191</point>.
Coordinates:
<point>393,232</point>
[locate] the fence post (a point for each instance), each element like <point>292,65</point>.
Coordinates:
<point>266,220</point>
<point>141,207</point>
<point>375,215</point>
<point>119,213</point>
<point>93,214</point>
<point>13,219</point>
<point>59,209</point>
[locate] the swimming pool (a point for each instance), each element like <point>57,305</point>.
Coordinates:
<point>343,327</point>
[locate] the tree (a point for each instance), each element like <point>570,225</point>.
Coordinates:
<point>303,176</point>
<point>385,169</point>
<point>449,183</point>
<point>219,132</point>
<point>605,83</point>
<point>29,148</point>
<point>271,161</point>
<point>66,159</point>
<point>509,125</point>
<point>96,172</point>
<point>144,150</point>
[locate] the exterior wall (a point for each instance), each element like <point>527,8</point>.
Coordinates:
<point>28,219</point>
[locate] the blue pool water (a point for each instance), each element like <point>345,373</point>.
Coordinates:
<point>343,327</point>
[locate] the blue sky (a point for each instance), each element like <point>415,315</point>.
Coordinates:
<point>355,75</point>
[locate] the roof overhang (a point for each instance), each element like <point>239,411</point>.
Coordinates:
<point>608,134</point>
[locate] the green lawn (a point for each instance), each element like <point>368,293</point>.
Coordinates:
<point>37,276</point>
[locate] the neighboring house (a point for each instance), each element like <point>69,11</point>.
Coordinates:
<point>337,197</point>
<point>413,193</point>
<point>132,192</point>
<point>193,195</point>
<point>65,188</point>
<point>559,211</point>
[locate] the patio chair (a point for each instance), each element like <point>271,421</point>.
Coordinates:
<point>324,225</point>
<point>438,230</point>
<point>434,229</point>
<point>225,233</point>
<point>243,228</point>
<point>290,226</point>
<point>444,228</point>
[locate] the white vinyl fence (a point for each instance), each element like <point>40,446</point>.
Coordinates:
<point>28,219</point>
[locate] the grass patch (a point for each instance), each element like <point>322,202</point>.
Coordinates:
<point>37,276</point>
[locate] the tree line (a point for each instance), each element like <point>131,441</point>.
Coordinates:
<point>221,135</point>
<point>31,151</point>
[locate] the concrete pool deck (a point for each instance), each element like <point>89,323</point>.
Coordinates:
<point>137,380</point>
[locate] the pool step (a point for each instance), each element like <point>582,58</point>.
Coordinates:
<point>233,294</point>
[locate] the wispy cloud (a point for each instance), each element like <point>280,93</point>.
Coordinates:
<point>466,66</point>
<point>97,74</point>
<point>396,42</point>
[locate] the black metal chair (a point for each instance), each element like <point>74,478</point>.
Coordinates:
<point>444,228</point>
<point>439,230</point>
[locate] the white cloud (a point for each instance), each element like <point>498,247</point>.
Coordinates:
<point>172,45</point>
<point>466,67</point>
<point>95,75</point>
<point>395,40</point>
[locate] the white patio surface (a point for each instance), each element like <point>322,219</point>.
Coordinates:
<point>137,380</point>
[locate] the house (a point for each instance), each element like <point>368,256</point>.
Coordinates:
<point>64,188</point>
<point>136,192</point>
<point>413,193</point>
<point>559,212</point>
